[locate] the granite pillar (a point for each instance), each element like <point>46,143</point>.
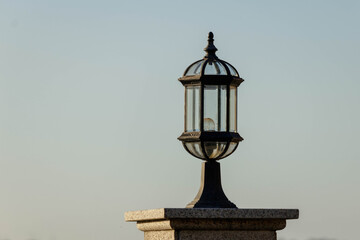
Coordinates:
<point>211,223</point>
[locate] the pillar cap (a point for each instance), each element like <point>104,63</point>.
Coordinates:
<point>212,213</point>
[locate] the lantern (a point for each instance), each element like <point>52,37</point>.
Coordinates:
<point>210,122</point>
<point>210,107</point>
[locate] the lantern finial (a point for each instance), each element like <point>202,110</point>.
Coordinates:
<point>211,36</point>
<point>210,48</point>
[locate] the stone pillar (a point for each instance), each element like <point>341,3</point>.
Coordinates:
<point>211,223</point>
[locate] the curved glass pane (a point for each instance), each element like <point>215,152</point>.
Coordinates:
<point>214,108</point>
<point>233,109</point>
<point>214,68</point>
<point>233,71</point>
<point>214,149</point>
<point>195,68</point>
<point>192,108</point>
<point>195,149</point>
<point>230,150</point>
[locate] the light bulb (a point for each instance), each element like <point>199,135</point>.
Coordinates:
<point>209,124</point>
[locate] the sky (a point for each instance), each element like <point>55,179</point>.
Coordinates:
<point>91,108</point>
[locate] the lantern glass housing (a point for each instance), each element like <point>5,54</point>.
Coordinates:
<point>210,131</point>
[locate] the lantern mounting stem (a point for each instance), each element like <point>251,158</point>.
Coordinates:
<point>211,194</point>
<point>210,48</point>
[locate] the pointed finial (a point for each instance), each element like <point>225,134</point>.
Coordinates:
<point>211,36</point>
<point>210,48</point>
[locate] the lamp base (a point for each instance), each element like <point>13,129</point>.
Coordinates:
<point>211,194</point>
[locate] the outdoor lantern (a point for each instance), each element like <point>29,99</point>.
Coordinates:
<point>210,120</point>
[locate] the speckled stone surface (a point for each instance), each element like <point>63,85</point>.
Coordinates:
<point>161,235</point>
<point>226,235</point>
<point>209,235</point>
<point>211,223</point>
<point>198,213</point>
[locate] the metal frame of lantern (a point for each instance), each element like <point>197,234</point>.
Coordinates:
<point>211,194</point>
<point>230,79</point>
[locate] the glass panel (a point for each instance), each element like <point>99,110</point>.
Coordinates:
<point>211,108</point>
<point>214,68</point>
<point>214,149</point>
<point>233,72</point>
<point>195,68</point>
<point>233,109</point>
<point>192,108</point>
<point>231,149</point>
<point>195,149</point>
<point>214,108</point>
<point>222,110</point>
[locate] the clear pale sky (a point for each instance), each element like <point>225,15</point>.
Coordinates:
<point>90,109</point>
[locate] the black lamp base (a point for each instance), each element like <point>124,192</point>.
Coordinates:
<point>211,194</point>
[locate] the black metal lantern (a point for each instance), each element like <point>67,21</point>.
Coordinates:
<point>210,120</point>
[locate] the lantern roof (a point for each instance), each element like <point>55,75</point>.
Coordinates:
<point>211,66</point>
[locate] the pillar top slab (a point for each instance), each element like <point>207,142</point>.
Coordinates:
<point>210,213</point>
